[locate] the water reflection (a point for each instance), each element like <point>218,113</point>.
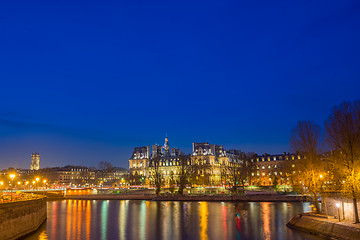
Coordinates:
<point>203,212</point>
<point>266,220</point>
<point>77,219</point>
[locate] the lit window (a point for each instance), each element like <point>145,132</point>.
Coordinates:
<point>269,167</point>
<point>275,166</point>
<point>275,173</point>
<point>263,167</point>
<point>293,165</point>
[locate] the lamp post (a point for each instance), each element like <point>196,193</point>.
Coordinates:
<point>1,184</point>
<point>12,176</point>
<point>44,183</point>
<point>338,207</point>
<point>322,194</point>
<point>37,183</point>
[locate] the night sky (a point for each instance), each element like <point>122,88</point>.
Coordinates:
<point>87,81</point>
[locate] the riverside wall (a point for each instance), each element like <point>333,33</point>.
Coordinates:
<point>324,227</point>
<point>20,218</point>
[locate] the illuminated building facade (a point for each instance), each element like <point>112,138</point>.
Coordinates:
<point>212,159</point>
<point>209,157</point>
<point>35,161</point>
<point>271,167</point>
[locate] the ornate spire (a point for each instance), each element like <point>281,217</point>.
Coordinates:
<point>166,145</point>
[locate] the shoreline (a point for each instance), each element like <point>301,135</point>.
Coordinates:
<point>323,226</point>
<point>209,198</point>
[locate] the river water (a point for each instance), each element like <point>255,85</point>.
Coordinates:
<point>138,220</point>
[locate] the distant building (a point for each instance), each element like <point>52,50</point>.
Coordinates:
<point>271,167</point>
<point>75,175</point>
<point>35,161</point>
<point>212,157</point>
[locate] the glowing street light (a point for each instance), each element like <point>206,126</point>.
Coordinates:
<point>12,176</point>
<point>338,206</point>
<point>321,176</point>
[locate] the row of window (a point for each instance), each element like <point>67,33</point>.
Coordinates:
<point>275,158</point>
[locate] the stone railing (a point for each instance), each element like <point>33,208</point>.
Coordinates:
<point>19,218</point>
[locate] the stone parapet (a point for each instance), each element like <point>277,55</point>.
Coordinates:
<point>324,227</point>
<point>20,218</point>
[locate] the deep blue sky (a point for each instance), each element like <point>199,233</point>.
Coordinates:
<point>86,81</point>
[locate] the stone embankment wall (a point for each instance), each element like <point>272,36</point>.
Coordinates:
<point>327,228</point>
<point>22,217</point>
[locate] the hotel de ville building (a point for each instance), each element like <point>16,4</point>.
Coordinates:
<point>210,156</point>
<point>213,159</point>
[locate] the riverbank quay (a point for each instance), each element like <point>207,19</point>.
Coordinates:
<point>20,218</point>
<point>209,198</point>
<point>325,226</point>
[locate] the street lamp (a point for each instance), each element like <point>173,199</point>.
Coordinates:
<point>44,183</point>
<point>321,176</point>
<point>1,184</point>
<point>12,176</point>
<point>338,206</point>
<point>37,181</point>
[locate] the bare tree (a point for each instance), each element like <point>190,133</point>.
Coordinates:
<point>172,182</point>
<point>343,136</point>
<point>238,172</point>
<point>105,166</point>
<point>306,176</point>
<point>156,178</point>
<point>184,172</point>
<point>200,171</point>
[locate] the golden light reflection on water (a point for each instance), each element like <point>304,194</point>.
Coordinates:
<point>143,220</point>
<point>266,220</point>
<point>43,235</point>
<point>54,225</point>
<point>204,212</point>
<point>122,219</point>
<point>88,218</point>
<point>78,211</point>
<point>68,219</point>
